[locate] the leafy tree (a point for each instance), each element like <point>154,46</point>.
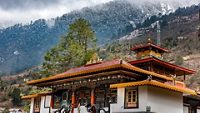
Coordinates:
<point>2,84</point>
<point>179,60</point>
<point>74,49</point>
<point>16,98</point>
<point>26,106</point>
<point>81,30</point>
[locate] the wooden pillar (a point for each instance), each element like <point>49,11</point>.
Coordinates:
<point>151,66</point>
<point>52,101</point>
<point>92,100</point>
<point>73,101</point>
<point>184,77</point>
<point>105,94</point>
<point>164,71</point>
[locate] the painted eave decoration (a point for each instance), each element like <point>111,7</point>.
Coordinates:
<point>35,95</point>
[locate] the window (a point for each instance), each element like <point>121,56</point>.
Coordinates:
<point>47,100</point>
<point>131,98</point>
<point>56,101</point>
<point>36,105</point>
<point>113,96</point>
<point>60,97</point>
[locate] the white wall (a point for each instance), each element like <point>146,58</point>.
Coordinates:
<point>31,105</point>
<point>160,100</point>
<point>82,109</point>
<point>164,101</point>
<point>45,104</point>
<point>198,110</point>
<point>186,109</point>
<point>119,106</point>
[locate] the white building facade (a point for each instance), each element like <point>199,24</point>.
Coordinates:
<point>156,99</point>
<point>159,100</point>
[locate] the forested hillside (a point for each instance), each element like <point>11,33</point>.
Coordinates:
<point>23,46</point>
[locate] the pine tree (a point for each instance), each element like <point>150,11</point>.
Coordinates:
<point>16,99</point>
<point>74,49</point>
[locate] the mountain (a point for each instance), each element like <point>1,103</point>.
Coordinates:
<point>179,33</point>
<point>23,46</point>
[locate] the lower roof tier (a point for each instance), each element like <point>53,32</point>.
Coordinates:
<point>103,69</point>
<point>155,84</point>
<point>177,87</point>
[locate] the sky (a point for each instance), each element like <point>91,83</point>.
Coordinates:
<point>23,11</point>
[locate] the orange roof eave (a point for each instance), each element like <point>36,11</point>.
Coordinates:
<point>121,64</point>
<point>156,84</point>
<point>62,75</point>
<point>29,96</point>
<point>149,72</point>
<point>34,95</point>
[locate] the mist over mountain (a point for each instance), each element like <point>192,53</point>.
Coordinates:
<point>11,10</point>
<point>24,11</point>
<point>23,46</point>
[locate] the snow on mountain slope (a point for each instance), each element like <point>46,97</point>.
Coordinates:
<point>109,21</point>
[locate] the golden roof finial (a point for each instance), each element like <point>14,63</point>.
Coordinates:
<point>149,40</point>
<point>94,59</point>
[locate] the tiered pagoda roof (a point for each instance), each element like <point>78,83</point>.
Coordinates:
<point>150,55</point>
<point>147,46</point>
<point>88,71</point>
<point>177,69</point>
<point>133,72</point>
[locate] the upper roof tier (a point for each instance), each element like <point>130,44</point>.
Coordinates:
<point>148,46</point>
<point>148,50</point>
<point>178,70</point>
<point>149,56</point>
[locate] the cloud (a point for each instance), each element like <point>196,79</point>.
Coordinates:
<point>181,3</point>
<point>25,4</point>
<point>23,11</point>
